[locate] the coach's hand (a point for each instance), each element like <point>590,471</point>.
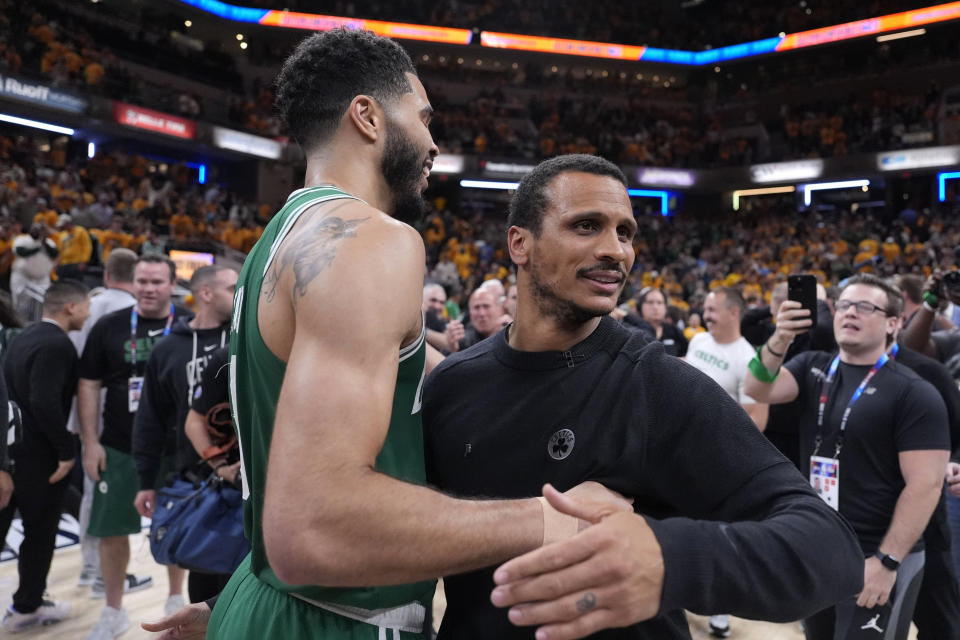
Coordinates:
<point>145,502</point>
<point>610,575</point>
<point>878,582</point>
<point>94,460</point>
<point>190,623</point>
<point>598,496</point>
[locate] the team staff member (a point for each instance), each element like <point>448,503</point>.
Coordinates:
<point>606,408</point>
<point>327,387</point>
<point>173,373</point>
<point>41,372</point>
<point>115,358</point>
<point>875,443</point>
<point>117,294</point>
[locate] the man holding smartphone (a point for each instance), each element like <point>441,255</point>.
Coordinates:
<point>885,427</point>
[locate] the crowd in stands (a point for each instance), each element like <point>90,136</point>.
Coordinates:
<point>90,207</point>
<point>641,120</point>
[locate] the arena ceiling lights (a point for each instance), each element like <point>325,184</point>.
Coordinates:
<point>784,42</point>
<point>808,189</point>
<point>741,193</point>
<point>942,183</point>
<point>36,124</point>
<point>663,196</point>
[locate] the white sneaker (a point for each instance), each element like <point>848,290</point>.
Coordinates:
<point>720,626</point>
<point>88,576</point>
<point>112,623</point>
<point>174,604</point>
<point>132,583</point>
<point>47,613</point>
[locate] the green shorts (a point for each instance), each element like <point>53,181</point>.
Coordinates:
<point>250,609</point>
<point>113,513</point>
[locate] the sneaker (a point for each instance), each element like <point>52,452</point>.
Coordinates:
<point>134,583</point>
<point>174,604</point>
<point>719,626</point>
<point>88,576</point>
<point>49,612</point>
<point>112,623</point>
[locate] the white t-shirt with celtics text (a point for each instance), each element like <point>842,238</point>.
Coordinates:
<point>726,364</point>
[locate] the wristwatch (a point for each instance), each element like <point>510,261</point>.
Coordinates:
<point>887,560</point>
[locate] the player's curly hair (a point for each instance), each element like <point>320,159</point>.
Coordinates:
<point>328,70</point>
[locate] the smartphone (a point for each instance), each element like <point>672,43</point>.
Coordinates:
<point>951,282</point>
<point>803,289</point>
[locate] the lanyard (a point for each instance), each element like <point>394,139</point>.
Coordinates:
<point>133,335</point>
<point>825,392</point>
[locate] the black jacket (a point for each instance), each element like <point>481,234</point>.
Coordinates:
<point>725,507</point>
<point>40,366</point>
<point>171,378</point>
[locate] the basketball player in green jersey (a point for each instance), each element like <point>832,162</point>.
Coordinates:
<point>325,388</point>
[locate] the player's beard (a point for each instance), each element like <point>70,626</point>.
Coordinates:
<point>402,168</point>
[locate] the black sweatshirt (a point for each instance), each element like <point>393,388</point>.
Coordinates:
<point>171,378</point>
<point>740,529</point>
<point>41,371</point>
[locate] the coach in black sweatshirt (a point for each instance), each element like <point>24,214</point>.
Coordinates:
<point>722,522</point>
<point>40,367</point>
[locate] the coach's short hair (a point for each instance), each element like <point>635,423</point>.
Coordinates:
<point>530,201</point>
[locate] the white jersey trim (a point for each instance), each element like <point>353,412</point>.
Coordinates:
<point>236,424</point>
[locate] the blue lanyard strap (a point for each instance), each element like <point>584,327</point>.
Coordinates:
<point>825,392</point>
<point>133,334</point>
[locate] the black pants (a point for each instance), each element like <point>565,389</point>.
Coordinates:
<point>847,621</point>
<point>203,586</point>
<point>39,503</point>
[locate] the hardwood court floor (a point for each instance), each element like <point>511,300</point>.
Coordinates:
<point>148,604</point>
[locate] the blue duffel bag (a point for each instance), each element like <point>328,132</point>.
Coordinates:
<point>200,529</point>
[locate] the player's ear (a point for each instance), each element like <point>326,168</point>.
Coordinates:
<point>367,116</point>
<point>519,242</point>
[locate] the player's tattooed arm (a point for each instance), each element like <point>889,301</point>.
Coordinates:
<point>311,252</point>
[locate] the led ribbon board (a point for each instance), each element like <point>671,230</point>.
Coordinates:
<point>815,37</point>
<point>562,46</point>
<point>315,22</point>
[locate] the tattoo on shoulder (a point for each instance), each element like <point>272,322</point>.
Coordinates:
<point>310,253</point>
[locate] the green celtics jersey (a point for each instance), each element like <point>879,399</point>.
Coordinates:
<point>255,378</point>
